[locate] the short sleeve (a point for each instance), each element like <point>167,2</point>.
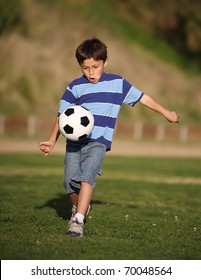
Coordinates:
<point>132,94</point>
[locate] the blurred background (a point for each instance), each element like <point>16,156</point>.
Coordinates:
<point>154,44</point>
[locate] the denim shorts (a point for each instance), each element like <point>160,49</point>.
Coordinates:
<point>82,163</point>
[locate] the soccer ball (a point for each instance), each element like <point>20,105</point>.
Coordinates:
<point>76,123</point>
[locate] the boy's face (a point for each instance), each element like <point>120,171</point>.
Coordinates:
<point>93,69</point>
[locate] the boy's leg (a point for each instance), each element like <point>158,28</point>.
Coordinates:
<point>74,198</point>
<point>77,223</point>
<point>74,201</point>
<point>92,157</point>
<point>72,167</point>
<point>84,199</point>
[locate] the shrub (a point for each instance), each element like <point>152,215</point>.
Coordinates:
<point>11,16</point>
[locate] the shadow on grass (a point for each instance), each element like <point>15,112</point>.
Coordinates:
<point>62,205</point>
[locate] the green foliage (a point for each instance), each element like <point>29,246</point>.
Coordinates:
<point>136,212</point>
<point>175,22</point>
<point>61,5</point>
<point>171,43</point>
<point>11,16</point>
<point>52,2</point>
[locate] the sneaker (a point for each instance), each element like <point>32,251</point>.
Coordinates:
<point>75,229</point>
<point>73,212</point>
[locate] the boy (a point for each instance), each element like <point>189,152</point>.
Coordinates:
<point>103,94</point>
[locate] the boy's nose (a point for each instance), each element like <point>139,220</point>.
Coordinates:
<point>91,71</point>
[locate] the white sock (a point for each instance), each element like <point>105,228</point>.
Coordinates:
<point>79,217</point>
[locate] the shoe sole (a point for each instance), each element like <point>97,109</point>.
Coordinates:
<point>74,234</point>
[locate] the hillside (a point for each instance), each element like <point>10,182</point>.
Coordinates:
<point>36,67</point>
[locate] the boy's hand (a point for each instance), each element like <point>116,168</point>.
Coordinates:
<point>46,147</point>
<point>172,117</point>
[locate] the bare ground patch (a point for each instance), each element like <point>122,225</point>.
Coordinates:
<point>119,147</point>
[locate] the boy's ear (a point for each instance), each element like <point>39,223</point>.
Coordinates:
<point>106,62</point>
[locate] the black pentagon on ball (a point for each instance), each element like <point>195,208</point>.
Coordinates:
<point>84,121</point>
<point>82,137</point>
<point>68,129</point>
<point>69,112</point>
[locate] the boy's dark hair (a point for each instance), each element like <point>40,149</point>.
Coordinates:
<point>91,48</point>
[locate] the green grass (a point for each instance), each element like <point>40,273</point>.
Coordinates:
<point>142,208</point>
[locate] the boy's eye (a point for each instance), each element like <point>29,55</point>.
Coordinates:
<point>87,68</point>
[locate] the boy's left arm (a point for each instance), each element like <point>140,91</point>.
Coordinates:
<point>171,116</point>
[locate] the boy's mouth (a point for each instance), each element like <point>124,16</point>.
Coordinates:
<point>92,80</point>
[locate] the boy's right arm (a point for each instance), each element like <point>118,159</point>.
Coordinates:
<point>47,146</point>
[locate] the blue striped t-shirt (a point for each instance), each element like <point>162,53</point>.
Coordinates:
<point>104,100</point>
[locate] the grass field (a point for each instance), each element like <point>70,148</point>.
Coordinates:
<point>142,208</point>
